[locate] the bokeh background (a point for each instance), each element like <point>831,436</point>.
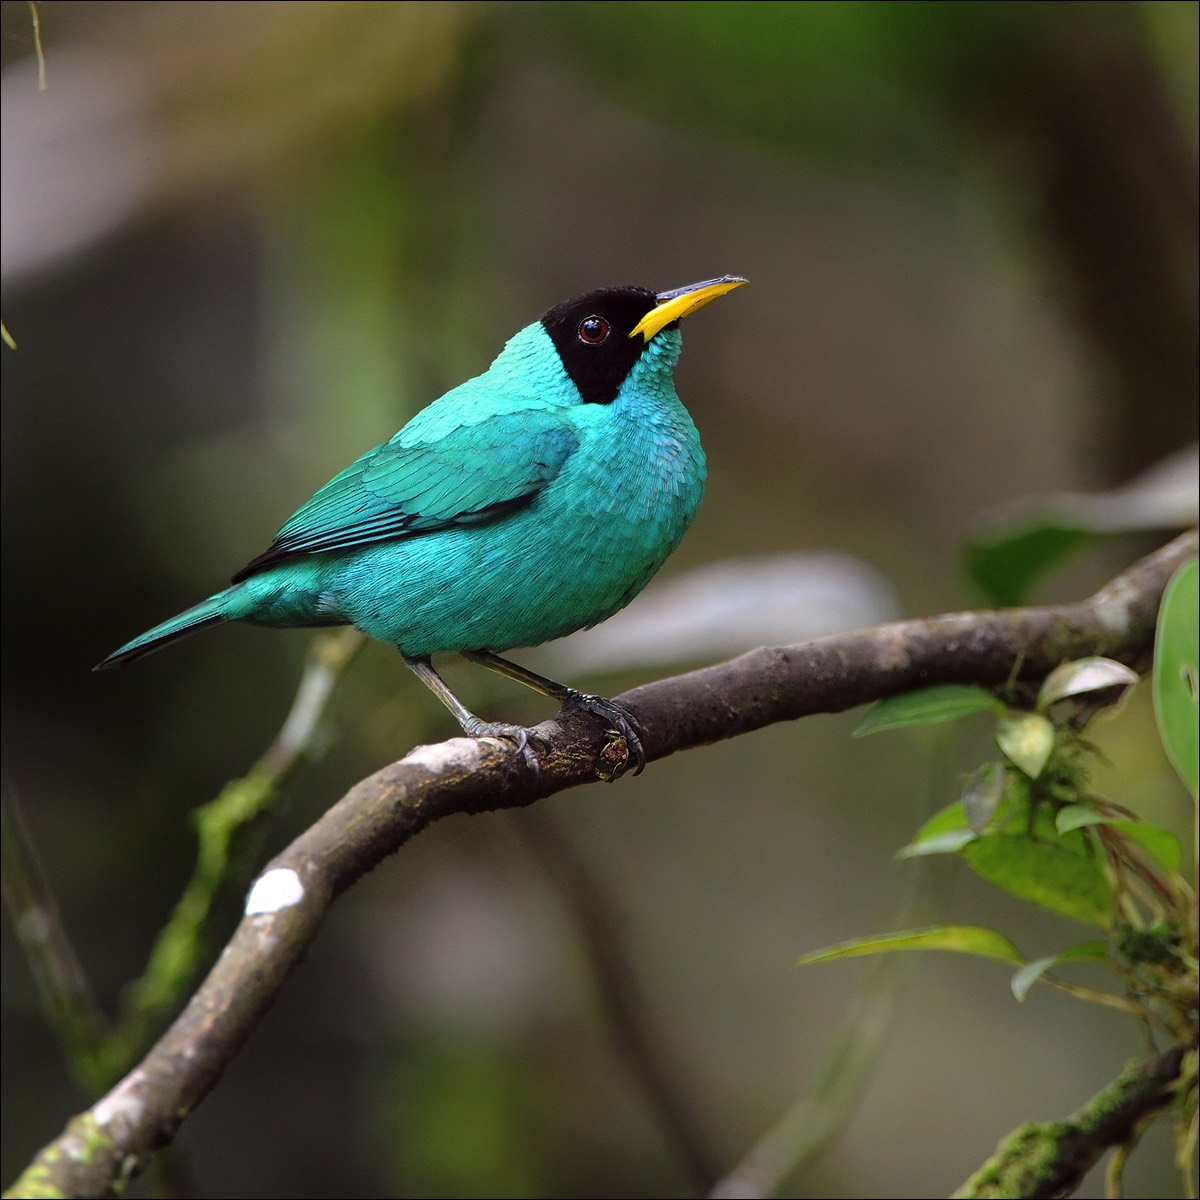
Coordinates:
<point>243,243</point>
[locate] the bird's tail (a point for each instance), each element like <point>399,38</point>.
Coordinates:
<point>201,616</point>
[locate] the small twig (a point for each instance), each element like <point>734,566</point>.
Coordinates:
<point>328,657</point>
<point>36,19</point>
<point>66,996</point>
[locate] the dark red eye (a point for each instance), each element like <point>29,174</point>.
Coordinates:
<point>593,330</point>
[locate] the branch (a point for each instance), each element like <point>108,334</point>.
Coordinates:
<point>117,1135</point>
<point>1045,1160</point>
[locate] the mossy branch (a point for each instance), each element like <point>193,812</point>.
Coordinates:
<point>1042,1160</point>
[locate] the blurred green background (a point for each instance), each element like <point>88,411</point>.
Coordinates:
<point>243,243</point>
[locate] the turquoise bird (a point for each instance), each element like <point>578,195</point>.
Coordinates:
<point>534,500</point>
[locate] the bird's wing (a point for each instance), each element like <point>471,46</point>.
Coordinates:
<point>472,474</point>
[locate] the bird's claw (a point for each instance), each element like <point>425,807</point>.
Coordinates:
<point>624,742</point>
<point>624,745</point>
<point>521,739</point>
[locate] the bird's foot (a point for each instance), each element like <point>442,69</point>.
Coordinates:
<point>523,740</point>
<point>624,742</point>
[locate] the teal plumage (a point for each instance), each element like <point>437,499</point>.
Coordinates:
<point>534,500</point>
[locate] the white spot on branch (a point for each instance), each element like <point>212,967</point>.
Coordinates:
<point>457,753</point>
<point>123,1105</point>
<point>278,888</point>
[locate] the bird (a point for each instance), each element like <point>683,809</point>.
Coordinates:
<point>531,501</point>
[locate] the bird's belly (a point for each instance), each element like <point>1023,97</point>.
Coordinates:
<point>571,559</point>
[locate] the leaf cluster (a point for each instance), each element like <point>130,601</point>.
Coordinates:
<point>1030,824</point>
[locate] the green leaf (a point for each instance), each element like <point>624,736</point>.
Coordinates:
<point>1156,839</point>
<point>1029,538</point>
<point>1027,741</point>
<point>1031,972</point>
<point>1051,873</point>
<point>1176,674</point>
<point>946,702</point>
<point>1076,816</point>
<point>1006,564</point>
<point>946,832</point>
<point>950,817</point>
<point>963,939</point>
<point>949,842</point>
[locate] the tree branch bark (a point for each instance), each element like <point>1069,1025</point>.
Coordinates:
<point>1041,1161</point>
<point>116,1136</point>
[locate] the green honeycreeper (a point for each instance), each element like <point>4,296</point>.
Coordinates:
<point>534,500</point>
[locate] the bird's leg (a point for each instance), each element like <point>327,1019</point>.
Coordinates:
<point>568,697</point>
<point>472,725</point>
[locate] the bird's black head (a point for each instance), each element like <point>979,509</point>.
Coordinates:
<point>591,335</point>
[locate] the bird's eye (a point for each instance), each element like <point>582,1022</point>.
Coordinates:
<point>593,330</point>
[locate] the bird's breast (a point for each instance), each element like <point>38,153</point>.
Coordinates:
<point>586,545</point>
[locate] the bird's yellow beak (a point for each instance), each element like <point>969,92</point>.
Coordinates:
<point>679,302</point>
